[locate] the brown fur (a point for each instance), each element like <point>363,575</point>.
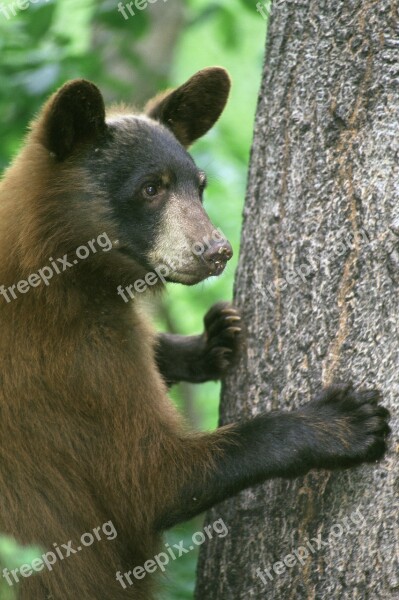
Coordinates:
<point>87,433</point>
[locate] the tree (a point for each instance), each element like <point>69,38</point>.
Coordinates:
<point>317,284</point>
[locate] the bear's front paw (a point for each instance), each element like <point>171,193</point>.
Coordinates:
<point>350,425</point>
<point>222,339</point>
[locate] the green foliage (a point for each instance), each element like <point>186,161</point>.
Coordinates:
<point>51,42</point>
<point>181,570</point>
<point>13,556</point>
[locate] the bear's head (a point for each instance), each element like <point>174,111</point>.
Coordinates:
<point>140,172</point>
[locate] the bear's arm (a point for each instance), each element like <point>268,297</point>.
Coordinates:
<point>340,428</point>
<point>181,358</point>
<point>205,357</point>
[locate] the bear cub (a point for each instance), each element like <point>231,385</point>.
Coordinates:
<point>95,203</point>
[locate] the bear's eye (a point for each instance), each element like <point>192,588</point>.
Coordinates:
<point>150,190</point>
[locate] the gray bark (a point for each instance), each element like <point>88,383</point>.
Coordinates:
<point>317,285</point>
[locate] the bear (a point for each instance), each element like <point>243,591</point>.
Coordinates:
<point>96,463</point>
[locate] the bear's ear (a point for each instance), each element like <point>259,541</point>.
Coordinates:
<point>191,110</point>
<point>75,114</point>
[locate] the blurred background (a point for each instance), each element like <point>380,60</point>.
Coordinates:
<point>131,59</point>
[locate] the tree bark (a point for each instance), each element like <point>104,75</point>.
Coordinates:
<point>317,285</point>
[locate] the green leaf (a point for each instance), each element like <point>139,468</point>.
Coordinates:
<point>39,19</point>
<point>228,27</point>
<point>249,4</point>
<point>109,15</point>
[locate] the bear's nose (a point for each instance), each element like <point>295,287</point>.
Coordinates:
<point>217,255</point>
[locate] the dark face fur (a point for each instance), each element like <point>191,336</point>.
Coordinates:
<point>151,182</point>
<point>155,190</point>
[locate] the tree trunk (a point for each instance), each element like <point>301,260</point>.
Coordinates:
<point>317,285</point>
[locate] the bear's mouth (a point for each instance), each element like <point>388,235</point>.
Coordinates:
<point>194,276</point>
<point>185,278</point>
<point>191,275</point>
